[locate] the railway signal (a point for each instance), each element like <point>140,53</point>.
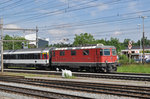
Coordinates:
<point>129,52</point>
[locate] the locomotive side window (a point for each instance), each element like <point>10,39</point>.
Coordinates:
<point>113,51</point>
<point>62,53</point>
<point>85,52</point>
<point>107,52</point>
<point>101,52</point>
<point>73,53</point>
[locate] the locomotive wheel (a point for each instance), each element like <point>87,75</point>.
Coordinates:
<point>109,68</point>
<point>92,70</point>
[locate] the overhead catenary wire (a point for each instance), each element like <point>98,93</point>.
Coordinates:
<point>60,11</point>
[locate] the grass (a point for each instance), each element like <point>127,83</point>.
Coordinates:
<point>29,75</point>
<point>134,68</point>
<point>36,75</point>
<point>19,67</point>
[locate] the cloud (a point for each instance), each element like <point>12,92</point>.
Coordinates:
<point>41,1</point>
<point>117,33</point>
<point>57,32</point>
<point>11,26</point>
<point>103,7</point>
<point>99,9</point>
<point>64,1</point>
<point>31,37</point>
<point>78,31</point>
<point>133,6</point>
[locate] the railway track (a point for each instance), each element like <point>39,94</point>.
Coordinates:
<point>34,92</point>
<point>120,76</point>
<point>98,88</point>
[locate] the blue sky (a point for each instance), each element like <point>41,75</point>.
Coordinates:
<point>61,19</point>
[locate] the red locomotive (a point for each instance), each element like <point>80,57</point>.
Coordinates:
<point>98,58</point>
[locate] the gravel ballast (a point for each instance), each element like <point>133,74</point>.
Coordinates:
<point>91,95</point>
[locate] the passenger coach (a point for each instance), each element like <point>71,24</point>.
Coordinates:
<point>98,58</point>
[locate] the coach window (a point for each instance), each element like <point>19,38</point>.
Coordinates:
<point>38,55</point>
<point>4,56</point>
<point>114,52</point>
<point>31,56</point>
<point>73,53</point>
<point>16,56</point>
<point>85,52</point>
<point>62,53</point>
<point>107,52</point>
<point>101,52</point>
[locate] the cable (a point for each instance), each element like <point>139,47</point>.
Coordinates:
<point>5,2</point>
<point>56,12</point>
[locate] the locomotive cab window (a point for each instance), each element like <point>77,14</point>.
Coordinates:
<point>101,52</point>
<point>62,53</point>
<point>114,52</point>
<point>85,52</point>
<point>73,53</point>
<point>107,52</point>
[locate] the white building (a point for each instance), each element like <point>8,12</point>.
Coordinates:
<point>41,42</point>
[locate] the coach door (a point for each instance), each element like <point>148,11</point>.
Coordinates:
<point>50,56</point>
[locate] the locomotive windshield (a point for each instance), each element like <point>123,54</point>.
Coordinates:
<point>107,52</point>
<point>114,52</point>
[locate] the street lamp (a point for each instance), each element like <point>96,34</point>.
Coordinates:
<point>140,43</point>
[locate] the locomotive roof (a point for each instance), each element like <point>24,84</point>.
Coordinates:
<point>87,47</point>
<point>38,50</point>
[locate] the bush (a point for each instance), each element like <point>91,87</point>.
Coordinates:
<point>123,59</point>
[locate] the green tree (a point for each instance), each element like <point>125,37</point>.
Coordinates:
<point>9,45</point>
<point>126,41</point>
<point>115,42</point>
<point>102,41</point>
<point>83,39</point>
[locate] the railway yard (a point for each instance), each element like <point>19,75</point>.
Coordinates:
<point>74,49</point>
<point>83,86</point>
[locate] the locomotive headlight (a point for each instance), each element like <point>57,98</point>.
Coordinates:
<point>106,61</point>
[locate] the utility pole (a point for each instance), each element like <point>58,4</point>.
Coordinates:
<point>1,30</point>
<point>1,27</point>
<point>36,37</point>
<point>143,61</point>
<point>13,43</point>
<point>140,43</point>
